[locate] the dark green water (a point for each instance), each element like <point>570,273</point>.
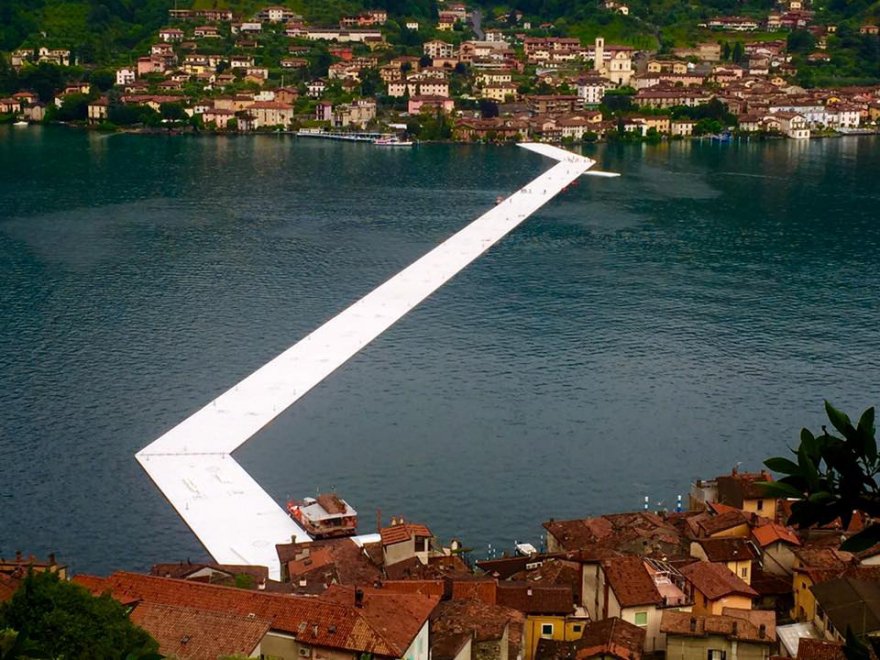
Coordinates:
<point>633,335</point>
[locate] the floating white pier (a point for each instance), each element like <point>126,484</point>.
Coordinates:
<point>233,517</point>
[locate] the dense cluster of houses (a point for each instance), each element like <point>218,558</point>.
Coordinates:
<point>545,88</point>
<point>724,579</point>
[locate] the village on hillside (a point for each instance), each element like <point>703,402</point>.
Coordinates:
<point>463,80</point>
<point>722,580</point>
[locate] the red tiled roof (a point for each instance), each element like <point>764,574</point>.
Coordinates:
<point>397,617</point>
<point>772,533</point>
<point>403,532</point>
<point>820,649</point>
<point>706,525</point>
<point>741,625</point>
<point>614,636</point>
<point>328,561</point>
<point>530,598</point>
<point>316,621</point>
<point>185,632</point>
<point>631,582</point>
<point>486,622</point>
<point>8,586</point>
<point>727,549</point>
<point>185,569</point>
<point>715,581</point>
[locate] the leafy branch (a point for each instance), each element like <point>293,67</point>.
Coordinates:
<point>833,476</point>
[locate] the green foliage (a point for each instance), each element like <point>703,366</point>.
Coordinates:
<point>800,42</point>
<point>61,620</point>
<point>617,101</point>
<point>103,79</point>
<point>715,110</point>
<point>74,108</point>
<point>833,476</point>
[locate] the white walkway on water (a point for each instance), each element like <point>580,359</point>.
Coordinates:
<point>233,517</point>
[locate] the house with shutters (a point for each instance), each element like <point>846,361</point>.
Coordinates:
<point>636,590</point>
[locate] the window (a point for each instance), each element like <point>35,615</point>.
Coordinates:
<point>641,619</point>
<point>716,654</point>
<point>576,628</point>
<point>546,629</point>
<point>760,505</point>
<point>744,571</point>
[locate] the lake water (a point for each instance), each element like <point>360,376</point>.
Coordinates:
<point>633,335</point>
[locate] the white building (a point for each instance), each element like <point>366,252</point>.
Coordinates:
<point>125,76</point>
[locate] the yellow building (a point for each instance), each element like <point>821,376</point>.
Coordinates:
<point>743,490</point>
<point>812,566</point>
<point>716,587</point>
<point>736,554</point>
<point>548,626</point>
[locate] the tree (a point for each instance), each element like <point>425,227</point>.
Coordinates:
<point>488,108</point>
<point>833,476</point>
<point>103,79</point>
<point>74,108</point>
<point>173,112</point>
<point>58,619</point>
<point>800,41</point>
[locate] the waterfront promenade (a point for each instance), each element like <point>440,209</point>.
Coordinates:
<point>233,517</point>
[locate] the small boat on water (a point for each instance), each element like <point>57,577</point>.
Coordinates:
<point>20,123</point>
<point>392,141</point>
<point>325,517</point>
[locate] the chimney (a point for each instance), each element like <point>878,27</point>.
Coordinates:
<point>51,559</point>
<point>693,624</point>
<point>18,555</point>
<point>358,598</point>
<point>735,628</point>
<point>762,631</point>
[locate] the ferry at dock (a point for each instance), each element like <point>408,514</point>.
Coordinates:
<point>324,517</point>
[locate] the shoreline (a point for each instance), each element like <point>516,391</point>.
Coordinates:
<point>190,132</point>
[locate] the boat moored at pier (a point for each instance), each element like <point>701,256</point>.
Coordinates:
<point>324,517</point>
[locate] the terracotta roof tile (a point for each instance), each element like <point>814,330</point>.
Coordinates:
<point>486,622</point>
<point>318,621</point>
<point>631,582</point>
<point>530,598</point>
<point>715,581</point>
<point>707,524</point>
<point>741,625</point>
<point>624,531</point>
<point>447,647</point>
<point>820,649</point>
<point>190,633</point>
<point>774,532</point>
<point>403,532</point>
<point>8,586</point>
<point>329,561</point>
<point>728,549</point>
<point>396,617</point>
<point>612,637</point>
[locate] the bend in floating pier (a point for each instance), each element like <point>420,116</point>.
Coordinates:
<point>233,517</point>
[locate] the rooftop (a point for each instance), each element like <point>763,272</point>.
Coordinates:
<point>728,549</point>
<point>403,532</point>
<point>186,632</point>
<point>716,581</point>
<point>321,621</point>
<point>612,637</point>
<point>631,582</point>
<point>741,625</point>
